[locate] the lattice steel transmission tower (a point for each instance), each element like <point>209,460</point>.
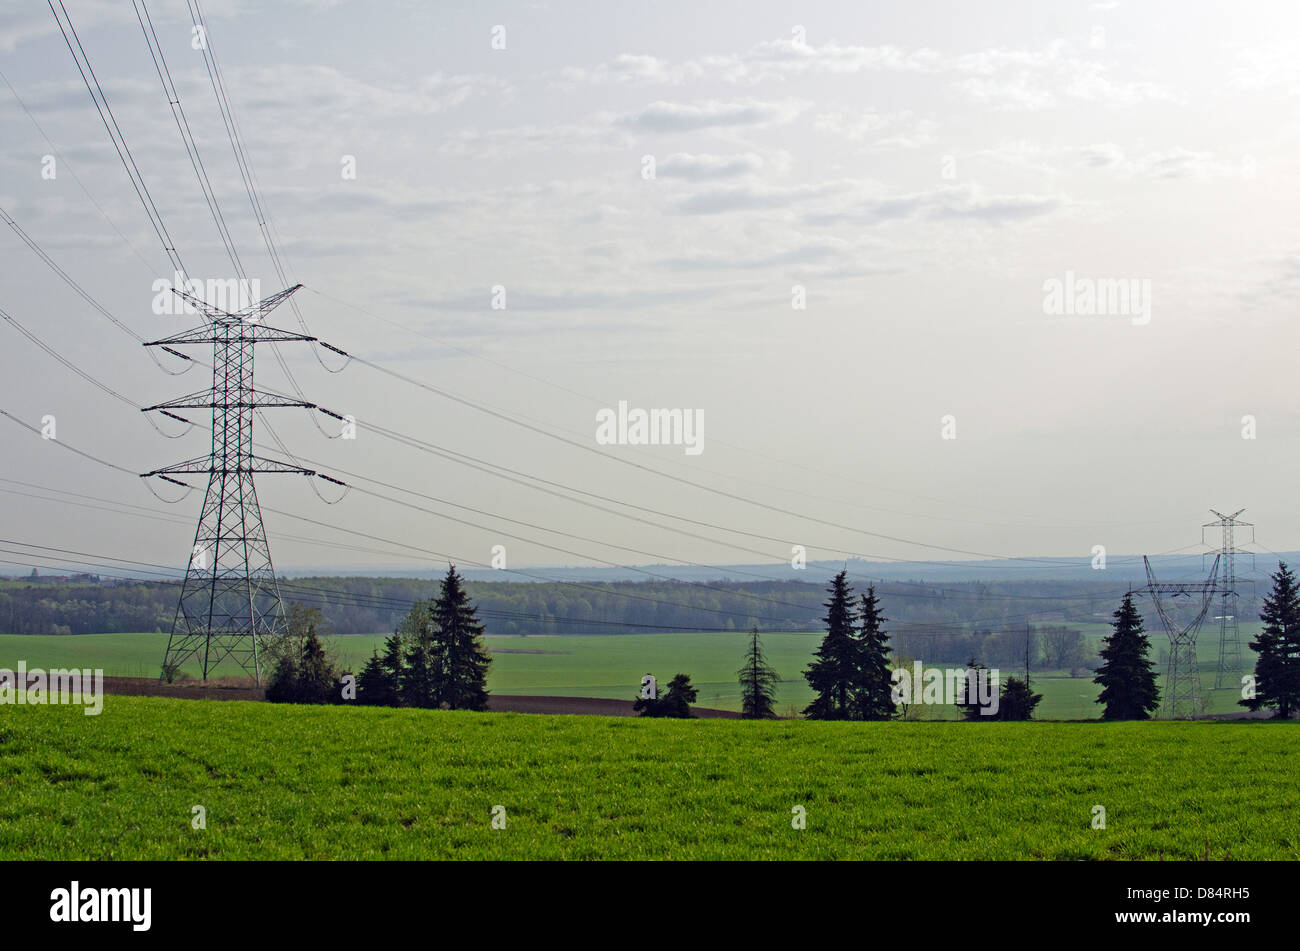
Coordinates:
<point>1182,693</point>
<point>1229,633</point>
<point>229,599</point>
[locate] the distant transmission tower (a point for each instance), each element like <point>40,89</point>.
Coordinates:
<point>1229,634</point>
<point>1182,693</point>
<point>230,598</point>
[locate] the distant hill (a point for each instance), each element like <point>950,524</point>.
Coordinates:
<point>1119,568</point>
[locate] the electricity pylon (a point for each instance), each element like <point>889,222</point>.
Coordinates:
<point>1182,693</point>
<point>1229,633</point>
<point>229,599</point>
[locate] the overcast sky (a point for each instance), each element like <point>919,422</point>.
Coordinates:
<point>918,172</point>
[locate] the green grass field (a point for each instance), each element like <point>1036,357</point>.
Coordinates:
<point>353,783</point>
<point>590,666</point>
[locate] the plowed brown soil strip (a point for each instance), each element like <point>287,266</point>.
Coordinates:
<point>192,690</point>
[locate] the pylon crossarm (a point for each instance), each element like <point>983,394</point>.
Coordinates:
<point>193,401</point>
<point>203,307</point>
<point>231,331</point>
<point>192,467</point>
<point>261,464</point>
<point>205,466</point>
<point>249,399</point>
<point>255,312</point>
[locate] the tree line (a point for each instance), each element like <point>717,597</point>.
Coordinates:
<point>436,659</point>
<point>927,618</point>
<point>853,672</point>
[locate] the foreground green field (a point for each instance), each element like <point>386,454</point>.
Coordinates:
<point>587,666</point>
<point>352,783</point>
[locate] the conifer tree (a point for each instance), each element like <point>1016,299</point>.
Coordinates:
<point>679,696</point>
<point>1127,676</point>
<point>420,679</point>
<point>392,662</point>
<point>832,674</point>
<point>461,657</point>
<point>305,670</point>
<point>282,685</point>
<point>648,706</point>
<point>318,678</point>
<point>1277,668</point>
<point>873,684</point>
<point>969,689</point>
<point>757,683</point>
<point>380,680</point>
<point>673,702</point>
<point>1017,701</point>
<point>371,685</point>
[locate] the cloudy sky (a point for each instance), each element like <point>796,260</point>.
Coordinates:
<point>651,190</point>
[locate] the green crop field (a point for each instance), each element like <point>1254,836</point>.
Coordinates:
<point>351,783</point>
<point>592,666</point>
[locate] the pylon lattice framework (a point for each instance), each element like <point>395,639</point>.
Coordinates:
<point>1230,668</point>
<point>230,598</point>
<point>1182,693</point>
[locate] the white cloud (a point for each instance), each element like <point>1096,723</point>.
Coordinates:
<point>776,60</point>
<point>630,68</point>
<point>1175,163</point>
<point>1005,78</point>
<point>1273,68</point>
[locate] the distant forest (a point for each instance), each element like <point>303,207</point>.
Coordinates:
<point>947,622</point>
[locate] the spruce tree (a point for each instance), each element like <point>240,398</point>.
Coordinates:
<point>832,674</point>
<point>673,702</point>
<point>462,658</point>
<point>305,670</point>
<point>1277,668</point>
<point>757,683</point>
<point>969,692</point>
<point>371,684</point>
<point>420,681</point>
<point>379,682</point>
<point>1017,701</point>
<point>648,706</point>
<point>282,686</point>
<point>392,663</point>
<point>1127,676</point>
<point>873,684</point>
<point>318,678</point>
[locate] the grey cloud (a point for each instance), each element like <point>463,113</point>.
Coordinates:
<point>708,167</point>
<point>944,203</point>
<point>755,197</point>
<point>522,299</point>
<point>804,254</point>
<point>710,114</point>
